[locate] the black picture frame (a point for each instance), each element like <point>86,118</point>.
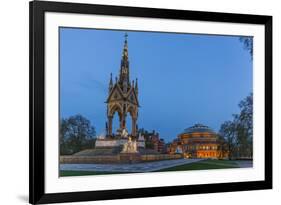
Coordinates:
<point>37,10</point>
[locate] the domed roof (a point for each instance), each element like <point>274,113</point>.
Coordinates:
<point>198,128</point>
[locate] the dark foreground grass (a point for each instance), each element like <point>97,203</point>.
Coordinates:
<point>64,173</point>
<point>203,165</point>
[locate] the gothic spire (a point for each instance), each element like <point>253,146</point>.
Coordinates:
<point>124,70</point>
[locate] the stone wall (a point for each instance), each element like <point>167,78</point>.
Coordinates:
<point>113,159</point>
<point>89,159</point>
<point>160,157</point>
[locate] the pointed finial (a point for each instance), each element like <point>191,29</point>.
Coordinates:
<point>110,82</point>
<point>125,49</point>
<point>126,36</point>
<point>136,87</point>
<point>126,41</point>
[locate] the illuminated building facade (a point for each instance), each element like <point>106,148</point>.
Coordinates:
<point>199,141</point>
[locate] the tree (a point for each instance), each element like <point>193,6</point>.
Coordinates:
<point>228,132</point>
<point>245,119</point>
<point>63,140</point>
<point>248,44</point>
<point>76,134</point>
<point>238,133</point>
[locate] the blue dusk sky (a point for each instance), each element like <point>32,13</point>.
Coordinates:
<point>183,78</point>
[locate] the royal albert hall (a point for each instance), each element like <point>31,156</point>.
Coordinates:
<point>200,141</point>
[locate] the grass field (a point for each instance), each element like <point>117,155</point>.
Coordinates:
<point>201,165</point>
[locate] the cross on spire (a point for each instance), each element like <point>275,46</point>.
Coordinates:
<point>126,36</point>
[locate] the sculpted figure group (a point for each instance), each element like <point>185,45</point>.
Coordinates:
<point>130,146</point>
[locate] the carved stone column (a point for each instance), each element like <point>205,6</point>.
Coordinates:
<point>123,121</point>
<point>134,126</point>
<point>110,125</point>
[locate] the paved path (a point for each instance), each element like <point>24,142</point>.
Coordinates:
<point>244,163</point>
<point>138,167</point>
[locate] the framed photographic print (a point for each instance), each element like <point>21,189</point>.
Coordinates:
<point>140,102</point>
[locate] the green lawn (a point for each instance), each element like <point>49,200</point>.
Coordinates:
<point>203,165</point>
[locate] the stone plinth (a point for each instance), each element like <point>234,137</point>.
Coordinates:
<point>100,143</point>
<point>129,157</point>
<point>116,159</point>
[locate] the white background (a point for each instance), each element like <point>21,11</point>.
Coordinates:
<point>14,100</point>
